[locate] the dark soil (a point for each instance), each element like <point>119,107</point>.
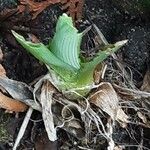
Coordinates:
<point>115,23</point>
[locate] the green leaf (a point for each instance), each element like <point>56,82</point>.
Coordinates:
<point>66,42</point>
<point>63,20</point>
<point>62,56</point>
<point>85,74</point>
<point>41,52</point>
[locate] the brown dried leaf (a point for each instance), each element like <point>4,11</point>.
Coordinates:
<point>130,94</point>
<point>98,72</point>
<point>1,55</point>
<point>106,99</point>
<point>19,90</point>
<point>11,104</point>
<point>61,111</point>
<point>122,118</point>
<point>74,8</point>
<point>35,7</point>
<point>46,103</point>
<point>74,128</point>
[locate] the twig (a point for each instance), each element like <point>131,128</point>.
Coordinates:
<point>23,128</point>
<point>111,143</point>
<point>137,93</point>
<point>141,143</point>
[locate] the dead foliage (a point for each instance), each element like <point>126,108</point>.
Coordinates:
<point>1,55</point>
<point>106,98</point>
<point>35,7</point>
<point>11,105</point>
<point>74,7</point>
<point>88,120</point>
<point>2,71</point>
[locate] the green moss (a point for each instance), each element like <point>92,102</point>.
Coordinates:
<point>4,135</point>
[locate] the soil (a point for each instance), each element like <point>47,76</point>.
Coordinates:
<point>115,23</point>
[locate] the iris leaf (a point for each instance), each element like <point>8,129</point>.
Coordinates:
<point>66,42</point>
<point>85,75</point>
<point>41,52</point>
<point>62,55</point>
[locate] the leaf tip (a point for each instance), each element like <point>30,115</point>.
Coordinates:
<point>17,36</point>
<point>121,43</point>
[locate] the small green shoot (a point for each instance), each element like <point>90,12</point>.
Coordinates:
<point>62,55</point>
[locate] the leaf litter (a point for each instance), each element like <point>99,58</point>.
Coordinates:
<point>61,112</point>
<point>8,103</point>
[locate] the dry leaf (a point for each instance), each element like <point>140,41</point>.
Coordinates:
<point>20,91</point>
<point>106,99</point>
<point>74,8</point>
<point>1,55</point>
<point>61,108</point>
<point>142,117</point>
<point>47,92</point>
<point>130,94</point>
<point>98,72</point>
<point>118,148</point>
<point>11,104</point>
<point>35,7</point>
<point>122,118</point>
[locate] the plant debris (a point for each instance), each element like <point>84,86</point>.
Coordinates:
<point>74,7</point>
<point>114,115</point>
<point>106,98</point>
<point>11,105</point>
<point>35,7</point>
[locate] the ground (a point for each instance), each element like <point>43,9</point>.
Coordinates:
<point>115,22</point>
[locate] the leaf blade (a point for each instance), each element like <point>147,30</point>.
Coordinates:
<point>85,74</point>
<point>41,52</point>
<point>66,42</point>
